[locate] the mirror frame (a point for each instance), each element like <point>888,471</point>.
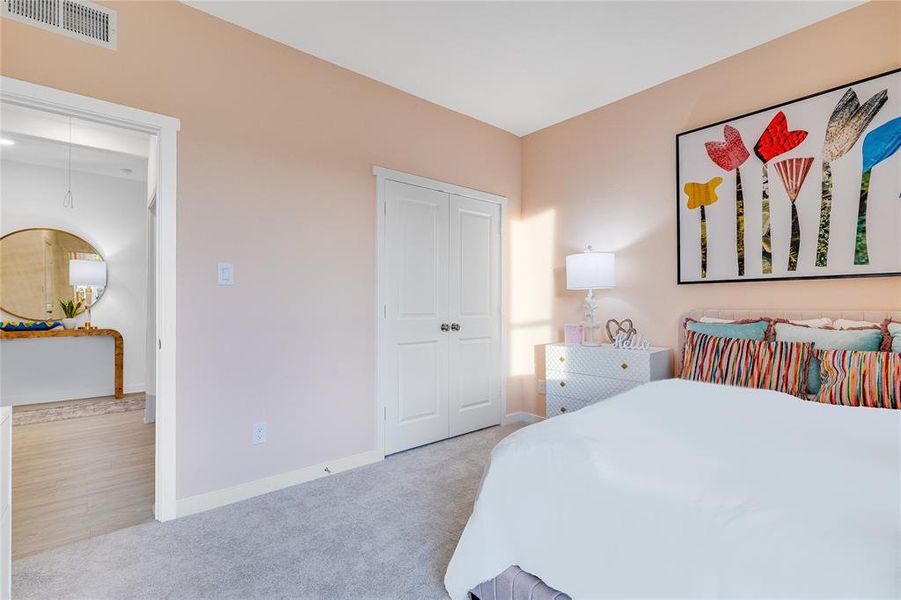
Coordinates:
<point>83,308</point>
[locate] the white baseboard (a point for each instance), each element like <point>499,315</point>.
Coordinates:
<point>202,502</point>
<point>521,417</point>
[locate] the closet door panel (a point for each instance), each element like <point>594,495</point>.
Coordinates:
<point>474,306</point>
<point>414,346</point>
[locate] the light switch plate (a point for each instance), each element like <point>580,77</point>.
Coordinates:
<point>226,274</point>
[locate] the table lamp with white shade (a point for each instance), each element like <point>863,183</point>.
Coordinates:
<point>590,270</point>
<point>85,276</point>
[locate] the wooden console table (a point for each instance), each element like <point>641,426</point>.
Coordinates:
<point>60,332</point>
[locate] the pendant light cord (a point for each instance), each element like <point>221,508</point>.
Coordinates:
<point>68,200</point>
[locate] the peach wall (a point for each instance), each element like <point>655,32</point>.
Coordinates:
<point>608,178</point>
<point>274,174</point>
<point>275,158</point>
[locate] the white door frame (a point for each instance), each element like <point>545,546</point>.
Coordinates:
<point>23,93</point>
<point>383,175</point>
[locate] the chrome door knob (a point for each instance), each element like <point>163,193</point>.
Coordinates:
<point>445,327</point>
<point>455,326</point>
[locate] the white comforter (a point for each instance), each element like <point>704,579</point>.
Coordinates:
<point>684,489</point>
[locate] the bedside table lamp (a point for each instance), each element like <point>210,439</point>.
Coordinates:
<point>85,275</point>
<point>590,270</point>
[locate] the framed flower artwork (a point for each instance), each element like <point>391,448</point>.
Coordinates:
<point>810,188</point>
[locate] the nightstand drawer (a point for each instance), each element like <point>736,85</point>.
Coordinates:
<point>585,387</point>
<point>609,362</point>
<point>560,405</point>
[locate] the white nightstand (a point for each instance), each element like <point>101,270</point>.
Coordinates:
<point>577,376</point>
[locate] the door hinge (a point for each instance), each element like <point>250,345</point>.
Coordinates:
<point>384,311</point>
<point>385,209</point>
<point>385,413</point>
<point>159,344</point>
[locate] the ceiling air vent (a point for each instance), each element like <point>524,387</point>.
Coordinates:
<point>78,19</point>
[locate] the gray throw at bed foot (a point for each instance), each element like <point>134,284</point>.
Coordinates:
<point>516,584</point>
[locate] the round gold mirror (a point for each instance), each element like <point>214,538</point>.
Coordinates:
<point>36,272</point>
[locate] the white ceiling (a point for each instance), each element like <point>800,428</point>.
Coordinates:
<point>42,138</point>
<point>523,66</point>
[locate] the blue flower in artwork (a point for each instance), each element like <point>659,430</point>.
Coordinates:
<point>881,143</point>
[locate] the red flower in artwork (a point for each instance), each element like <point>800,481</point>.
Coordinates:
<point>777,139</point>
<point>729,154</point>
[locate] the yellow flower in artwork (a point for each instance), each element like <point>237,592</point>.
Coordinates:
<point>699,196</point>
<point>702,194</point>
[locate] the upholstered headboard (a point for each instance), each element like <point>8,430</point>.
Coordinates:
<point>874,316</point>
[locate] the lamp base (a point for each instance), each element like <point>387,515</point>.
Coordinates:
<point>592,325</point>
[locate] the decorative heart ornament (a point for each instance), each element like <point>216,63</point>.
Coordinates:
<point>625,327</point>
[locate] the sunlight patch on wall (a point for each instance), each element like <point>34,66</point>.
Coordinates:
<point>523,341</point>
<point>532,288</point>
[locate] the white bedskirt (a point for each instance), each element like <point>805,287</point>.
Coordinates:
<point>685,489</point>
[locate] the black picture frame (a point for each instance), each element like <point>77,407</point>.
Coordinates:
<point>679,280</point>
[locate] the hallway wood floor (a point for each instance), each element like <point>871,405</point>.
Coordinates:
<point>77,478</point>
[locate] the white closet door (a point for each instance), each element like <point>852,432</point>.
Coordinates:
<point>474,309</point>
<point>415,377</point>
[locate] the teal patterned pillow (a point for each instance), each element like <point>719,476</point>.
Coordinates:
<point>894,330</point>
<point>739,330</point>
<point>827,339</point>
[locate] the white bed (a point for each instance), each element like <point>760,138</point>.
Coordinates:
<point>685,489</point>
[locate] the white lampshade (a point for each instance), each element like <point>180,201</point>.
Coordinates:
<point>590,270</point>
<point>87,273</point>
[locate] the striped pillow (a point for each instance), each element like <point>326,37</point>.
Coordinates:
<point>860,378</point>
<point>729,361</point>
<point>783,367</point>
<point>778,366</point>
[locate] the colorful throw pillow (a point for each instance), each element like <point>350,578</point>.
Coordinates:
<point>745,330</point>
<point>784,367</point>
<point>29,325</point>
<point>729,361</point>
<point>869,339</point>
<point>778,366</point>
<point>855,378</point>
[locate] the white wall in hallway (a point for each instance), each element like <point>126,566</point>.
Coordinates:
<point>110,213</point>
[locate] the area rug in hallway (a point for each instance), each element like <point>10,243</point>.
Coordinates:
<point>29,414</point>
<point>382,531</point>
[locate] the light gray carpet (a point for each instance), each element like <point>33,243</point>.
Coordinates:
<point>382,531</point>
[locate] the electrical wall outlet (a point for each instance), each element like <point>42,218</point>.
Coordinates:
<point>259,433</point>
<point>542,386</point>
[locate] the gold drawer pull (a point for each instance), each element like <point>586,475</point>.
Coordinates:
<point>562,384</point>
<point>624,366</point>
<point>562,409</point>
<point>562,359</point>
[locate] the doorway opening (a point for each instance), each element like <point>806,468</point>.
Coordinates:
<point>74,301</point>
<point>88,217</point>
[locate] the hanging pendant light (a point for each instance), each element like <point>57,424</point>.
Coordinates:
<point>68,200</point>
